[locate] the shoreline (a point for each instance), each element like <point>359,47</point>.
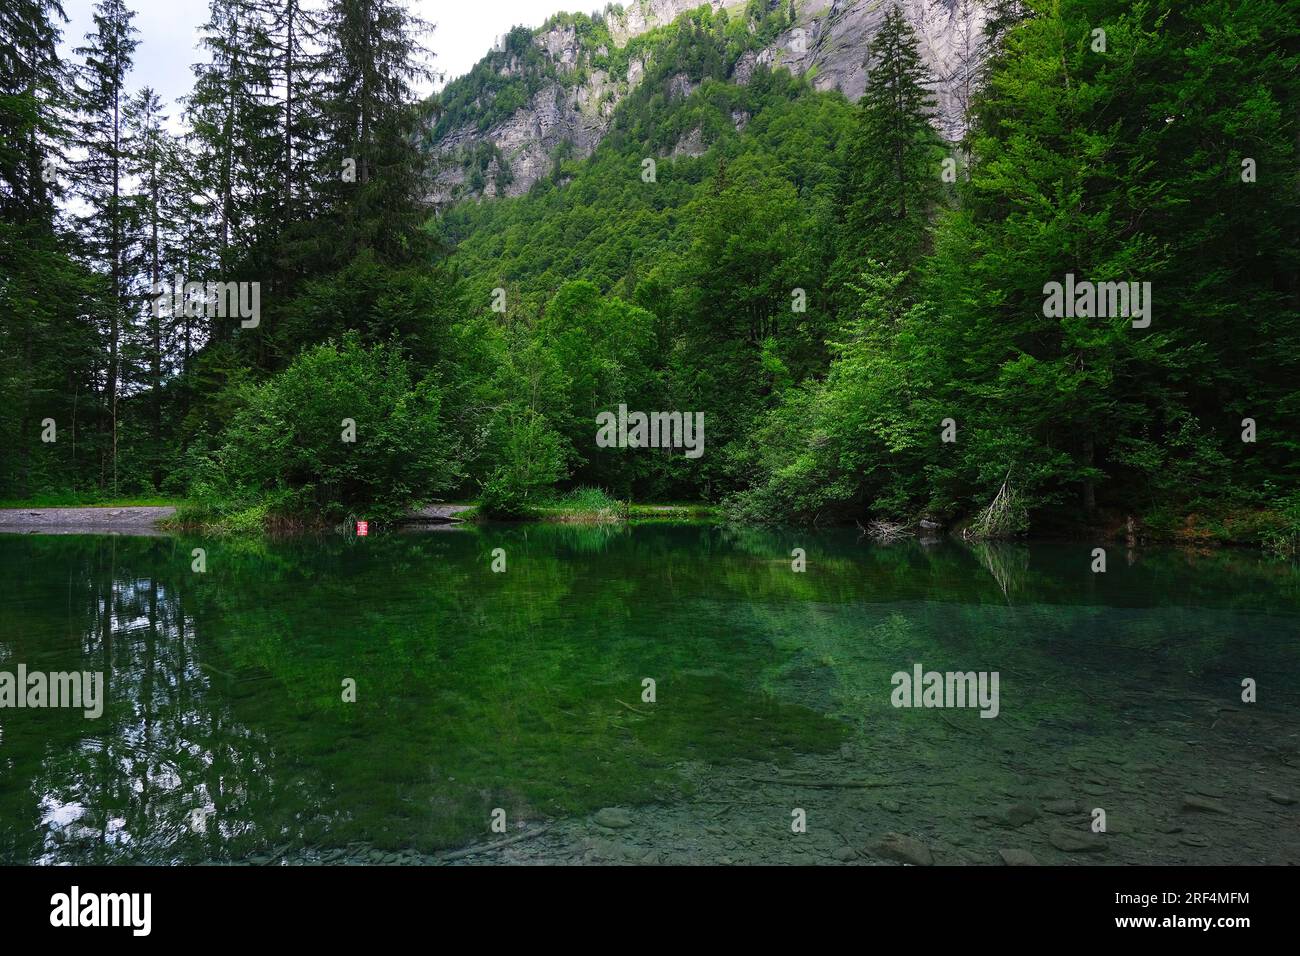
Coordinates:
<point>160,520</point>
<point>135,520</point>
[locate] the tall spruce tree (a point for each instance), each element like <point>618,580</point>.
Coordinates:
<point>292,41</point>
<point>33,110</point>
<point>373,57</point>
<point>892,168</point>
<point>233,112</point>
<point>48,344</point>
<point>148,144</point>
<point>101,97</point>
<point>1122,162</point>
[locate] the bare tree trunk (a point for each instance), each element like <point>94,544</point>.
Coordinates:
<point>1089,489</point>
<point>115,241</point>
<point>155,357</point>
<point>288,111</point>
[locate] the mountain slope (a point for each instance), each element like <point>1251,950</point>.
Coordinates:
<point>549,94</point>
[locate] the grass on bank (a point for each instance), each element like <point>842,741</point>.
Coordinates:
<point>270,514</point>
<point>78,499</point>
<point>1276,530</point>
<point>595,506</point>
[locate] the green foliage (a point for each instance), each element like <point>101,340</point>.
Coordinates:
<point>1283,538</point>
<point>1097,165</point>
<point>287,439</point>
<point>805,281</point>
<point>756,205</point>
<point>531,459</point>
<point>585,498</point>
<point>890,182</point>
<point>500,83</point>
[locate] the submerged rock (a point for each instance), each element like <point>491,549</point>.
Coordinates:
<point>614,818</point>
<point>902,849</point>
<point>1070,841</point>
<point>1017,858</point>
<point>1014,815</point>
<point>1141,768</point>
<point>1202,804</point>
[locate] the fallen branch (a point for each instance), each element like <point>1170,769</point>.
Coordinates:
<point>883,530</point>
<point>492,847</point>
<point>281,852</point>
<point>1001,519</point>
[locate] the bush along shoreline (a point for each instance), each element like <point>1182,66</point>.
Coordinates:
<point>1276,533</point>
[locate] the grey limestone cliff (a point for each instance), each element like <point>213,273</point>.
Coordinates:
<point>571,109</point>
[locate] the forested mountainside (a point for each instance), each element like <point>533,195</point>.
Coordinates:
<point>550,94</point>
<point>1070,304</point>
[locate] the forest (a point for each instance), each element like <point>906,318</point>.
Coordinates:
<point>859,307</point>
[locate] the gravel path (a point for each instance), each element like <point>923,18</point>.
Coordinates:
<point>83,520</point>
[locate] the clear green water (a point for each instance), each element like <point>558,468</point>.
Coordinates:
<point>225,736</point>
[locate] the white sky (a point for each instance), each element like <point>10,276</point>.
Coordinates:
<point>464,31</point>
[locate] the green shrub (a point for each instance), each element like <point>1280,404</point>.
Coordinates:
<point>285,448</point>
<point>1283,539</point>
<point>531,461</point>
<point>503,497</point>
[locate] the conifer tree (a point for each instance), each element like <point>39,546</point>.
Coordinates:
<point>101,98</point>
<point>892,170</point>
<point>48,344</point>
<point>147,146</point>
<point>233,111</point>
<point>32,109</point>
<point>292,35</point>
<point>373,58</point>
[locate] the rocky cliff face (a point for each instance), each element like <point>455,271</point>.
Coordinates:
<point>639,17</point>
<point>570,109</point>
<point>831,37</point>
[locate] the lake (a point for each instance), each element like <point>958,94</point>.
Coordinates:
<point>659,693</point>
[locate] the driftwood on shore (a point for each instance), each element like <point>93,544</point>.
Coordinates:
<point>437,514</point>
<point>883,530</point>
<point>491,847</point>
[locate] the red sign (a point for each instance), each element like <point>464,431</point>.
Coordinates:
<point>363,528</point>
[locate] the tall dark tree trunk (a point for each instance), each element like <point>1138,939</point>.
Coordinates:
<point>155,352</point>
<point>1089,488</point>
